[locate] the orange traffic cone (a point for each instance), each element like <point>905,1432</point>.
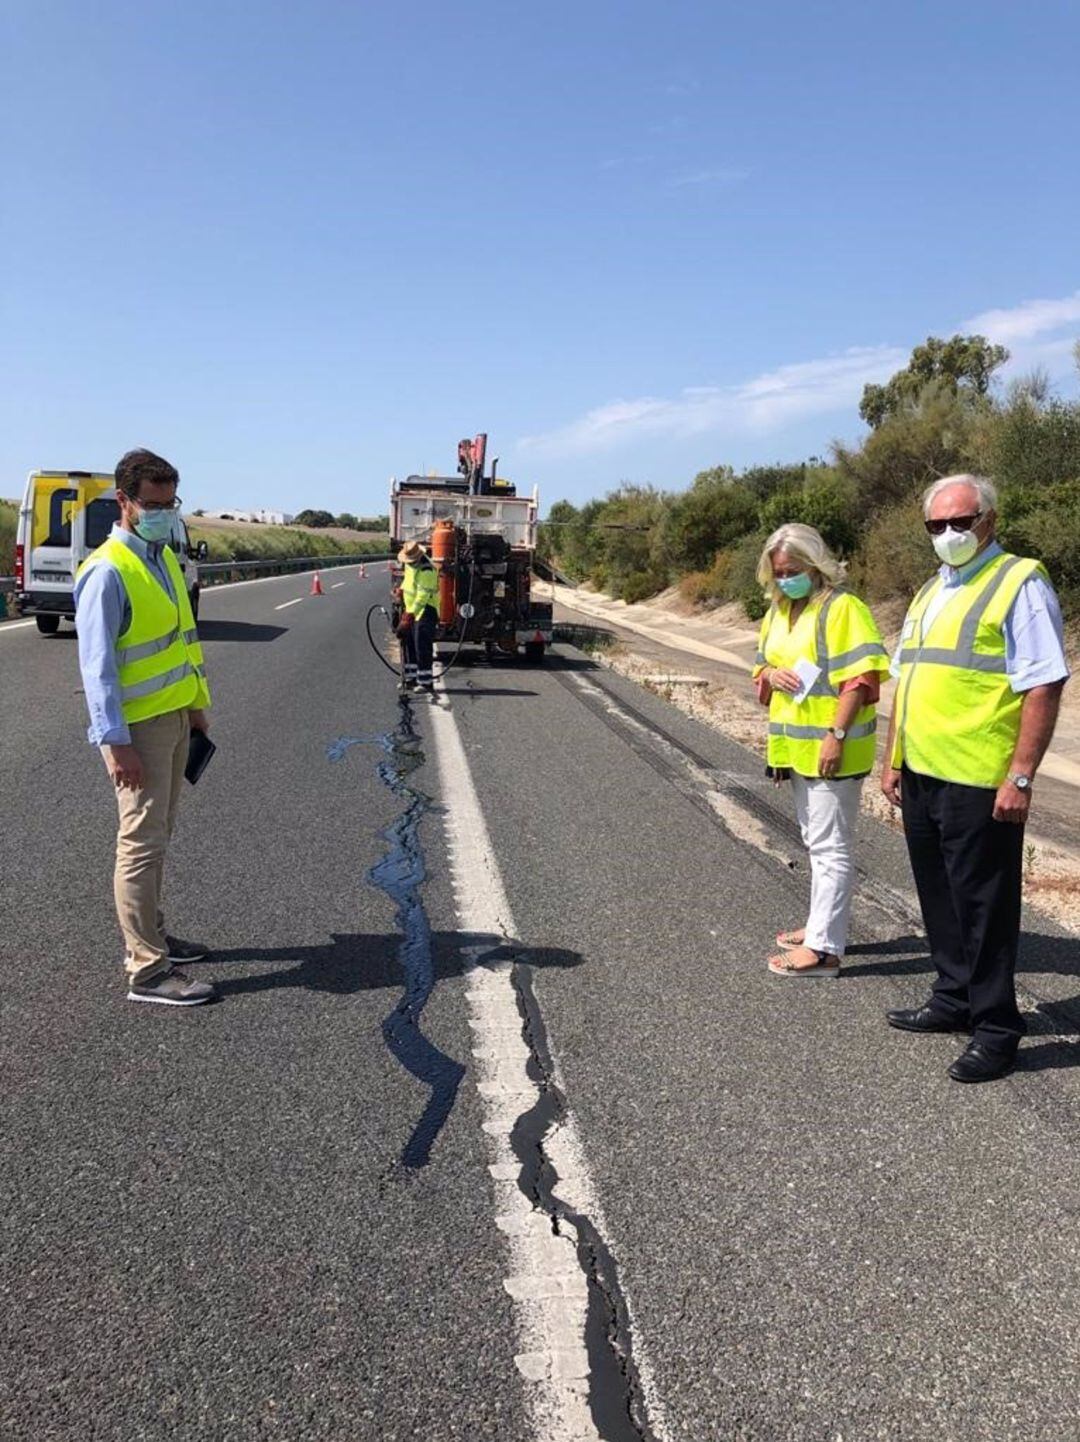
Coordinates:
<point>316,585</point>
<point>363,572</point>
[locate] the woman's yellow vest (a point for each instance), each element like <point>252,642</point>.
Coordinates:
<point>159,659</point>
<point>957,717</point>
<point>837,633</point>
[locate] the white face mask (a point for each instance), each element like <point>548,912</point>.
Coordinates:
<point>956,548</point>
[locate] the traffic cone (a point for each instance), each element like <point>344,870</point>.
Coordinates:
<point>316,585</point>
<point>363,573</point>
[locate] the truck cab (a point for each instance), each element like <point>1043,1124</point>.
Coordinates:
<point>64,516</point>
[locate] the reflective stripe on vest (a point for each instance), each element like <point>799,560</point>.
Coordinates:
<point>958,718</point>
<point>159,658</point>
<point>837,633</point>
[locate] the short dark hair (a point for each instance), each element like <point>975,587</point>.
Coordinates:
<point>138,466</point>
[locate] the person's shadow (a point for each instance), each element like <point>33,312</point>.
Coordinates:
<point>359,961</point>
<point>1057,1021</point>
<point>354,962</point>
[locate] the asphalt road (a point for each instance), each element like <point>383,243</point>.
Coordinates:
<point>274,1217</point>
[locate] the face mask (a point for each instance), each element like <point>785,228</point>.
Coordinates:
<point>796,587</point>
<point>154,526</point>
<point>955,548</point>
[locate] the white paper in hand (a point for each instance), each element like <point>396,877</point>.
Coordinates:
<point>807,673</point>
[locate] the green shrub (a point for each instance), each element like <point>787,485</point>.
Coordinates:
<point>895,556</point>
<point>742,576</point>
<point>1051,532</point>
<point>9,517</point>
<point>702,588</point>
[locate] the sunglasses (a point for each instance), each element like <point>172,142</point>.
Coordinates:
<point>958,523</point>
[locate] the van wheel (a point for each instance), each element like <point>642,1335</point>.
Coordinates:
<point>48,625</point>
<point>193,597</point>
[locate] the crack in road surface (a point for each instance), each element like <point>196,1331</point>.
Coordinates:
<point>401,873</point>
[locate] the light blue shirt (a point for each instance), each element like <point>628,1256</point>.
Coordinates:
<point>102,615</point>
<point>1034,634</point>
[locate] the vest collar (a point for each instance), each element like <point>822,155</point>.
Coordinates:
<point>958,575</point>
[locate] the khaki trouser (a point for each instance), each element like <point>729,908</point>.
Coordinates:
<point>146,824</point>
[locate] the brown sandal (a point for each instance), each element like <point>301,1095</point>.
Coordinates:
<point>789,940</point>
<point>824,964</point>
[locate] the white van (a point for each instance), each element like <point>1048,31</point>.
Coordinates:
<point>64,516</point>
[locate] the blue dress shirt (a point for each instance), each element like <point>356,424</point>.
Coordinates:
<point>102,615</point>
<point>1034,635</point>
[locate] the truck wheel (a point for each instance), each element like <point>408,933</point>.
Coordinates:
<point>534,652</point>
<point>193,597</point>
<point>48,625</point>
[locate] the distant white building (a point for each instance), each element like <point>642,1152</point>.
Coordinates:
<point>262,518</point>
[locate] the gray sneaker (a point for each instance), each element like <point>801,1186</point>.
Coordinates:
<point>172,988</point>
<point>185,950</point>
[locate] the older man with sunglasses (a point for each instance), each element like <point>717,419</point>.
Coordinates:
<point>981,667</point>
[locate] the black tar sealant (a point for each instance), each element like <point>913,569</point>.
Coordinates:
<point>401,873</point>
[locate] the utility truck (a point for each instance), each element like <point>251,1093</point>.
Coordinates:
<point>63,517</point>
<point>481,535</point>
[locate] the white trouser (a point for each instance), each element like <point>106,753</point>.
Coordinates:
<point>827,812</point>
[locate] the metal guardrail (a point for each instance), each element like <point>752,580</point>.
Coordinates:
<point>220,573</point>
<point>217,573</point>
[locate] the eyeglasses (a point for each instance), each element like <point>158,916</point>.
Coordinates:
<point>173,505</point>
<point>958,523</point>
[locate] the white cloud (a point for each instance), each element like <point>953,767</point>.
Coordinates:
<point>815,387</point>
<point>768,400</point>
<point>1024,321</point>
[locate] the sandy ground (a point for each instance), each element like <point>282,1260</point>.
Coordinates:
<point>699,662</point>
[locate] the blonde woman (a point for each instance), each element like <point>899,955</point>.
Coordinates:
<point>818,669</point>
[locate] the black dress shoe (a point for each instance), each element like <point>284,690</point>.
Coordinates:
<point>923,1018</point>
<point>979,1064</point>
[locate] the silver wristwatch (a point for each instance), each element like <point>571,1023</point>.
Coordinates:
<point>1020,781</point>
<point>839,732</point>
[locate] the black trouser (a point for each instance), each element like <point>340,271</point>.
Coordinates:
<point>420,645</point>
<point>968,871</point>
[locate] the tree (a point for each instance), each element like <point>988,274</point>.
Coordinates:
<point>707,518</point>
<point>348,521</point>
<point>319,519</point>
<point>963,362</point>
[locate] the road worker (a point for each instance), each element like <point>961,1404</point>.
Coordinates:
<point>818,669</point>
<point>146,691</point>
<point>981,666</point>
<point>419,616</point>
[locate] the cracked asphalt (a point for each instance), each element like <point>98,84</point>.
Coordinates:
<point>208,1231</point>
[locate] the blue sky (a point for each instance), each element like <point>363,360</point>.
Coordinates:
<point>300,247</point>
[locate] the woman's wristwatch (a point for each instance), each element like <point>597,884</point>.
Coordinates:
<point>838,731</point>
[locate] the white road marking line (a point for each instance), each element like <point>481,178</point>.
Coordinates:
<point>546,1280</point>
<point>294,602</point>
<point>15,625</point>
<point>336,584</point>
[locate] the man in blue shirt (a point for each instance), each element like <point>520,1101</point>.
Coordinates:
<point>145,697</point>
<point>965,829</point>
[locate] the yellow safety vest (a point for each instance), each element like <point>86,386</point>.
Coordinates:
<point>958,718</point>
<point>159,659</point>
<point>837,633</point>
<point>420,589</point>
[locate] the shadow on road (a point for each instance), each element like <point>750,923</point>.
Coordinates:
<point>364,962</point>
<point>238,631</point>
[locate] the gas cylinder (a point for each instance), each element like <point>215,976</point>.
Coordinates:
<point>443,554</point>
